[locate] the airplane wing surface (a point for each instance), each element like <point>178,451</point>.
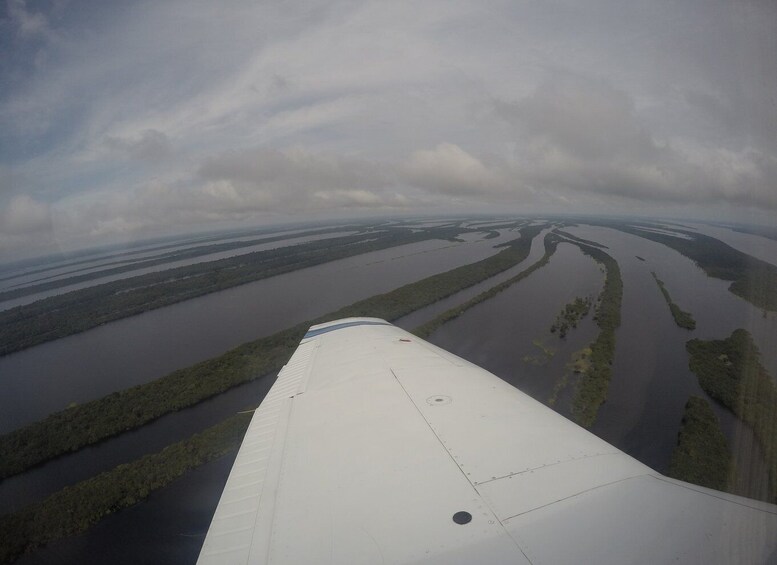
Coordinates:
<point>374,446</point>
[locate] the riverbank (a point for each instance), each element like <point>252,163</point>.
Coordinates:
<point>86,424</point>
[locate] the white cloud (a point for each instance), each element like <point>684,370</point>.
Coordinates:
<point>449,169</point>
<point>181,115</point>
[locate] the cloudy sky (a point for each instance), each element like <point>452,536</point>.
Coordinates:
<point>123,120</point>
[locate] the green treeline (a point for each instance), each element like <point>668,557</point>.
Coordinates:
<point>681,318</point>
<point>177,255</point>
<point>701,455</point>
<point>71,429</point>
<point>731,373</point>
<point>753,279</point>
<point>592,388</point>
<point>80,310</point>
<point>580,239</point>
<point>427,329</point>
<point>77,507</point>
<point>570,316</point>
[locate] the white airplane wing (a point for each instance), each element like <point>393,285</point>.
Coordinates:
<point>375,446</point>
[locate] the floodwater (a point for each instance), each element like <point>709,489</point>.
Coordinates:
<point>168,527</point>
<point>508,335</point>
<point>36,484</point>
<point>759,247</point>
<point>173,263</point>
<point>651,380</point>
<point>134,350</point>
<point>427,313</point>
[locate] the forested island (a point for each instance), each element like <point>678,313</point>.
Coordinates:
<point>80,310</point>
<point>122,266</point>
<point>752,279</point>
<point>702,456</point>
<point>595,380</point>
<point>570,316</point>
<point>78,507</point>
<point>682,318</point>
<point>62,513</point>
<point>94,421</point>
<point>730,372</point>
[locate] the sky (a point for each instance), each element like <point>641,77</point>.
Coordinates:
<point>128,120</point>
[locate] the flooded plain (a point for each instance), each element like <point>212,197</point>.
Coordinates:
<point>508,335</point>
<point>81,367</point>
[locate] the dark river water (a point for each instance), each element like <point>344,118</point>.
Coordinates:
<point>508,335</point>
<point>651,379</point>
<point>173,263</point>
<point>47,378</point>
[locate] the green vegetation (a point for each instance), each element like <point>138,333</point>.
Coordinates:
<point>570,316</point>
<point>76,508</point>
<point>580,239</point>
<point>579,363</point>
<point>79,506</point>
<point>730,371</point>
<point>701,456</point>
<point>681,318</point>
<point>177,255</point>
<point>91,422</point>
<point>592,388</point>
<point>80,310</point>
<point>546,354</point>
<point>427,329</point>
<point>753,279</point>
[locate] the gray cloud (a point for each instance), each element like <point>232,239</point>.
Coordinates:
<point>28,24</point>
<point>297,179</point>
<point>151,146</point>
<point>184,115</point>
<point>581,134</point>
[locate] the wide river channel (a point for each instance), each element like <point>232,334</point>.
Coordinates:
<point>508,335</point>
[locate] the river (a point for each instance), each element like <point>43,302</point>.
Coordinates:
<point>650,384</point>
<point>651,379</point>
<point>81,367</point>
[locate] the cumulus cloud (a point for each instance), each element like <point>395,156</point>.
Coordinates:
<point>297,179</point>
<point>581,134</point>
<point>449,169</point>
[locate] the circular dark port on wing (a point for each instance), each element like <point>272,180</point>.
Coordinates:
<point>462,517</point>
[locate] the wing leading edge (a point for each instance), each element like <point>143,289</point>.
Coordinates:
<point>374,446</point>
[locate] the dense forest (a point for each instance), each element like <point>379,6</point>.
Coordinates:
<point>752,279</point>
<point>702,455</point>
<point>77,311</point>
<point>730,371</point>
<point>592,387</point>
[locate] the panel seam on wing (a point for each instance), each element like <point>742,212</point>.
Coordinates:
<point>587,456</point>
<point>582,492</point>
<point>450,456</point>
